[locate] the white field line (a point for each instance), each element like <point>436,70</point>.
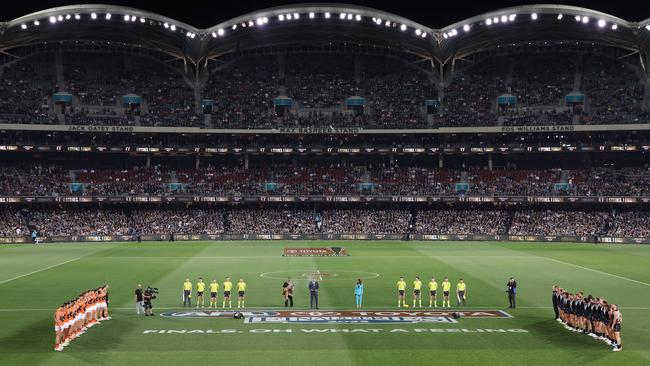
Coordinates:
<point>298,309</point>
<point>596,271</point>
<point>39,270</point>
<point>307,257</point>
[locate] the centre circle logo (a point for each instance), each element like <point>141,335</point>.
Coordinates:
<point>321,275</point>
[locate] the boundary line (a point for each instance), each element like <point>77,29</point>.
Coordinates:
<point>299,309</point>
<point>595,270</point>
<point>39,270</point>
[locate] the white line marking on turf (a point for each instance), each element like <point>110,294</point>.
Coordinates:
<point>306,257</point>
<point>496,308</point>
<point>39,270</point>
<point>290,273</point>
<point>595,270</point>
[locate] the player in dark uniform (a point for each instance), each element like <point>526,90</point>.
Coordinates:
<point>617,319</point>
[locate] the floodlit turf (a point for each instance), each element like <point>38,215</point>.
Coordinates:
<point>35,279</point>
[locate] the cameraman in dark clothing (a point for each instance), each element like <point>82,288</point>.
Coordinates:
<point>512,292</point>
<point>149,294</point>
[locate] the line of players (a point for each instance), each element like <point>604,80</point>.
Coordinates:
<point>589,315</point>
<point>214,293</point>
<point>74,317</point>
<point>461,292</point>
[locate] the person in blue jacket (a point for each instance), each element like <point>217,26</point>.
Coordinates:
<point>358,293</point>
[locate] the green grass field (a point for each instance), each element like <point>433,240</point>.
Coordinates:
<point>36,279</point>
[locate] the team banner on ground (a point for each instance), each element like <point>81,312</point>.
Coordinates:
<point>344,317</point>
<point>316,252</point>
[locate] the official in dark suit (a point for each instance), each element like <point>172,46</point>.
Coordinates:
<point>511,289</point>
<point>313,294</point>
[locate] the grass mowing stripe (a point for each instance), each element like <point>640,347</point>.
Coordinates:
<point>595,270</point>
<point>39,270</point>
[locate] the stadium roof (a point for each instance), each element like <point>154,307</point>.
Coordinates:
<point>323,25</point>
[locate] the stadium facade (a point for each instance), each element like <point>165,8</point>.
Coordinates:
<point>325,121</point>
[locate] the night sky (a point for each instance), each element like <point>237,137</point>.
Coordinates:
<point>432,13</point>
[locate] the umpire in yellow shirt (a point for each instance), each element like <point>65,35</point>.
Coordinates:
<point>461,292</point>
<point>187,293</point>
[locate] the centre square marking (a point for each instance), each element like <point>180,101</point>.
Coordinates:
<point>346,316</point>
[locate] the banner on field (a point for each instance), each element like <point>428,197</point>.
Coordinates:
<point>316,252</point>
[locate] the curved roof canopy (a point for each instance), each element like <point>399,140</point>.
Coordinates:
<point>315,25</point>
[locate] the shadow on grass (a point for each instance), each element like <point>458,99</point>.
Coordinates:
<point>587,349</point>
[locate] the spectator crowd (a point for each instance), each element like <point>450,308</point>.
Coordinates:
<point>241,94</point>
<point>151,221</point>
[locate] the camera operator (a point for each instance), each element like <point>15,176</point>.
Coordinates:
<point>149,294</point>
<point>139,300</point>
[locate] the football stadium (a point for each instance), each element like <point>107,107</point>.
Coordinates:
<point>325,184</point>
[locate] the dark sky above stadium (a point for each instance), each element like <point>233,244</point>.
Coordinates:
<point>431,13</point>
